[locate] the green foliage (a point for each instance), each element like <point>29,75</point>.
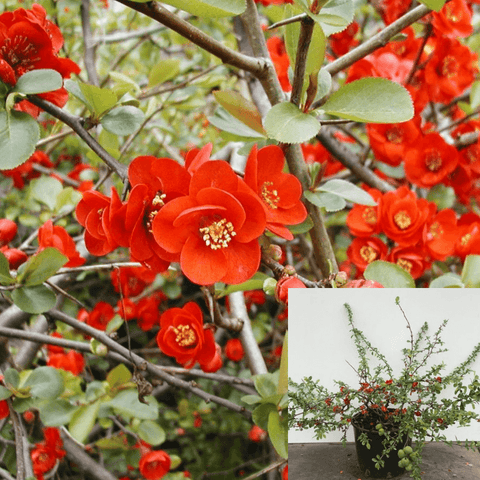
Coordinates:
<point>389,275</point>
<point>19,134</point>
<point>36,299</point>
<point>5,277</point>
<point>434,4</point>
<point>40,267</point>
<point>123,120</point>
<point>210,8</point>
<point>373,100</point>
<point>471,271</point>
<point>38,81</point>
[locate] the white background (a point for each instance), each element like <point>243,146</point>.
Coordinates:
<point>320,343</point>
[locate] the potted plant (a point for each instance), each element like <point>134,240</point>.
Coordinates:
<point>389,410</point>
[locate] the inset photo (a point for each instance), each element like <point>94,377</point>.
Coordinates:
<point>383,383</point>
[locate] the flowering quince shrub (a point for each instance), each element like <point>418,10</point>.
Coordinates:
<point>410,404</point>
<point>168,174</point>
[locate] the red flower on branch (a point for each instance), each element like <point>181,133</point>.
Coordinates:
<point>284,284</point>
<point>4,409</point>
<point>411,259</point>
<point>154,465</point>
<point>50,235</point>
<point>14,256</point>
<point>440,234</point>
<point>281,62</point>
<point>182,335</point>
<point>155,182</point>
<point>454,20</point>
<point>8,230</point>
<point>28,41</point>
<point>71,362</point>
<point>279,192</point>
<point>214,230</point>
<point>365,250</point>
<point>101,314</point>
<point>234,350</point>
<point>46,453</point>
<point>362,220</point>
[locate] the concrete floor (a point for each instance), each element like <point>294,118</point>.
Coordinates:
<point>331,461</point>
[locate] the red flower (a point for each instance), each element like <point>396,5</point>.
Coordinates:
<point>280,60</point>
<point>273,2</point>
<point>390,142</point>
<point>411,259</point>
<point>71,362</point>
<point>440,234</point>
<point>362,220</point>
<point>101,314</point>
<point>216,363</point>
<point>155,182</point>
<point>454,20</point>
<point>147,312</point>
<point>285,473</point>
<point>182,335</point>
<point>154,465</point>
<point>131,280</point>
<point>343,41</point>
<point>234,349</point>
<point>286,282</point>
<point>257,434</point>
<point>365,250</point>
<point>8,230</point>
<point>4,410</point>
<point>127,309</point>
<point>95,212</point>
<point>29,41</point>
<point>57,237</point>
<point>391,10</point>
<point>468,240</point>
<point>215,228</point>
<point>280,192</point>
<point>25,172</point>
<point>430,160</point>
<point>45,454</point>
<point>403,215</point>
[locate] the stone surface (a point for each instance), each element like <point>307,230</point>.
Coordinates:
<point>327,461</point>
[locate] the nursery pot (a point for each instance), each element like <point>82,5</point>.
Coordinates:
<point>364,424</point>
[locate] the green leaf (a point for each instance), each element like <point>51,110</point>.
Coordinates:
<point>348,191</point>
<point>36,299</point>
<point>83,421</point>
<point>210,8</point>
<point>151,432</point>
<point>163,71</point>
<point>265,384</point>
<point>260,414</point>
<point>118,376</point>
<point>19,134</point>
<point>54,413</point>
<point>448,280</point>
<point>112,443</point>
<point>329,201</point>
<point>114,324</point>
<point>126,403</point>
<point>373,100</point>
<point>226,122</point>
<point>67,198</point>
<point>394,172</point>
<point>5,393</point>
<point>434,4</point>
<point>442,196</point>
<point>41,267</point>
<point>45,383</point>
<point>475,95</point>
<point>389,275</point>
<point>38,81</point>
<point>303,227</point>
<point>12,377</point>
<point>471,271</point>
<point>99,100</point>
<point>123,120</point>
<point>255,283</point>
<point>251,399</point>
<point>5,277</point>
<point>324,84</point>
<point>286,123</point>
<point>46,190</point>
<point>240,108</point>
<point>278,433</point>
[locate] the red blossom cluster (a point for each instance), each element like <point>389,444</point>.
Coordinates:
<point>46,453</point>
<point>202,215</point>
<point>71,361</point>
<point>28,41</point>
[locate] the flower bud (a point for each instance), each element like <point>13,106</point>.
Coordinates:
<point>275,252</point>
<point>341,279</point>
<point>281,292</point>
<point>8,230</point>
<point>289,270</point>
<point>14,256</point>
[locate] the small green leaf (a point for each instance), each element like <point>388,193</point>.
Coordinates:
<point>324,84</point>
<point>436,5</point>
<point>126,403</point>
<point>251,399</point>
<point>36,299</point>
<point>5,393</point>
<point>278,433</point>
<point>265,384</point>
<point>46,190</point>
<point>19,134</point>
<point>303,227</point>
<point>163,71</point>
<point>449,280</point>
<point>348,191</point>
<point>330,201</point>
<point>83,421</point>
<point>38,81</point>
<point>99,100</point>
<point>45,383</point>
<point>226,122</point>
<point>12,377</point>
<point>41,267</point>
<point>471,271</point>
<point>255,283</point>
<point>123,120</point>
<point>56,412</point>
<point>210,8</point>
<point>442,196</point>
<point>240,108</point>
<point>112,443</point>
<point>5,277</point>
<point>151,432</point>
<point>260,414</point>
<point>118,376</point>
<point>176,461</point>
<point>286,123</point>
<point>373,100</point>
<point>114,324</point>
<point>389,275</point>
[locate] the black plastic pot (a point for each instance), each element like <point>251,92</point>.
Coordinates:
<point>365,456</point>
